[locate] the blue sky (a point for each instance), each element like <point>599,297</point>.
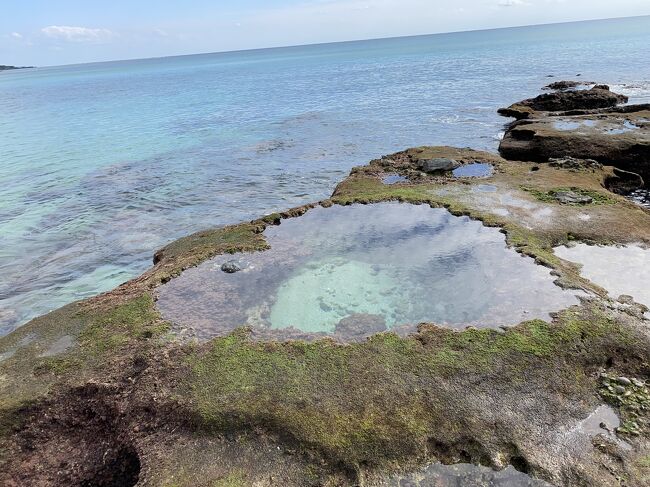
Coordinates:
<point>51,32</point>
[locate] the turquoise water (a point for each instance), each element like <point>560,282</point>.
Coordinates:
<point>104,163</point>
<point>355,270</point>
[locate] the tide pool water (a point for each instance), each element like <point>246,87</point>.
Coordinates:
<point>355,270</point>
<point>101,164</point>
<point>619,270</point>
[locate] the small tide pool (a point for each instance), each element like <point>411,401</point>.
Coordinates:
<point>566,125</point>
<point>623,128</point>
<point>464,474</point>
<point>618,269</point>
<point>475,170</point>
<point>394,179</point>
<point>351,271</point>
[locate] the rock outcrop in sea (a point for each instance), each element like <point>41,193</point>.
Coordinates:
<point>585,124</point>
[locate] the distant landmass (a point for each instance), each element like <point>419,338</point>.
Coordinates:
<point>4,67</point>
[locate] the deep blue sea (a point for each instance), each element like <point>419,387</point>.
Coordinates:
<point>101,164</point>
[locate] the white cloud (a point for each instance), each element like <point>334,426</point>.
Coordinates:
<point>512,3</point>
<point>16,35</point>
<point>77,34</point>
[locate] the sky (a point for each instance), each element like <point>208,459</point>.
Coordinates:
<point>54,32</point>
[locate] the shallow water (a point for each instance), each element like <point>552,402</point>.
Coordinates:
<point>566,125</point>
<point>603,421</point>
<point>619,270</point>
<point>485,188</point>
<point>465,475</point>
<point>476,170</point>
<point>640,197</point>
<point>61,345</point>
<point>104,163</point>
<point>356,270</point>
<point>624,128</point>
<point>394,179</point>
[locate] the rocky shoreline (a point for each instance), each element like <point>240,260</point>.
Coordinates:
<point>106,392</point>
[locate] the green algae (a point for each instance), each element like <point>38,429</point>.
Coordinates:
<point>234,479</point>
<point>598,197</point>
<point>366,402</point>
<point>108,330</point>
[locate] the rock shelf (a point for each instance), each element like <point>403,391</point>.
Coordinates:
<point>105,391</point>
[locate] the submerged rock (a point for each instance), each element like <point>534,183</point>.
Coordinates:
<point>231,267</point>
<point>624,182</point>
<point>360,325</point>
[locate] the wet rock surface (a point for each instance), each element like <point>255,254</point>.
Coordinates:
<point>464,475</point>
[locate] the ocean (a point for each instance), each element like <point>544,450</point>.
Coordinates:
<point>101,164</point>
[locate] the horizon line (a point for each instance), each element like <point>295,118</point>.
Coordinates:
<point>348,41</point>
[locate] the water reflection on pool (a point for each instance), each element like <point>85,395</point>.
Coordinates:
<point>351,271</point>
<point>475,170</point>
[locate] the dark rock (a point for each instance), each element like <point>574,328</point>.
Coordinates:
<point>4,67</point>
<point>438,164</point>
<point>624,182</point>
<point>595,98</point>
<point>572,198</point>
<point>567,85</point>
<point>231,267</point>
